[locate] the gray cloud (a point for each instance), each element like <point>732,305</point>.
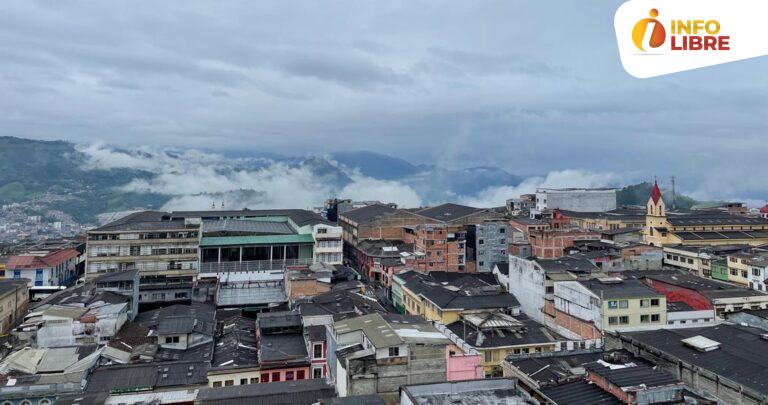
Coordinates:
<point>528,86</point>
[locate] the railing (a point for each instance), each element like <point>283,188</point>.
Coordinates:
<point>252,265</point>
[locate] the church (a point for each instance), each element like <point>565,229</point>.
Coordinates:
<point>664,228</point>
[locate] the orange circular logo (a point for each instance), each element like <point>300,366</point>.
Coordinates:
<point>658,34</point>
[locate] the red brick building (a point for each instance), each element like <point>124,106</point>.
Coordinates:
<point>551,244</point>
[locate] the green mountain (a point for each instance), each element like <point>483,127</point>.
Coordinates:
<point>49,175</point>
<point>637,194</point>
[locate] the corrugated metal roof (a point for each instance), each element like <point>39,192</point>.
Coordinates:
<point>251,226</point>
<point>257,240</point>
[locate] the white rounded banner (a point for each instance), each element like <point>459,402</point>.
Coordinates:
<point>661,37</point>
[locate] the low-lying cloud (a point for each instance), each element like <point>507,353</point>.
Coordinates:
<point>197,180</point>
<point>497,196</point>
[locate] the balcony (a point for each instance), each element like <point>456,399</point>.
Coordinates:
<point>252,265</point>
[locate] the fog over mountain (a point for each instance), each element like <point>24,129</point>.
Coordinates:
<point>84,180</point>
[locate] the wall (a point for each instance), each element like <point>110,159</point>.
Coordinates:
<point>579,201</point>
<point>527,284</point>
<point>460,366</point>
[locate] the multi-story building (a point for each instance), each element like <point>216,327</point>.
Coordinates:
<point>14,300</point>
<point>663,228</point>
<point>749,267</point>
<point>497,335</point>
<point>620,218</point>
<point>57,267</point>
<point>587,308</point>
<point>491,244</point>
<point>171,249</point>
<point>705,294</point>
<point>373,354</point>
<point>163,250</point>
<point>443,235</point>
<point>552,244</point>
<point>576,199</point>
<point>441,298</point>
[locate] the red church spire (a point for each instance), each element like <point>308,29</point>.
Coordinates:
<point>656,193</point>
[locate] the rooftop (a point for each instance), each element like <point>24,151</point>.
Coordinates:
<point>708,287</point>
<point>282,348</point>
<point>579,393</point>
<point>448,212</point>
<point>620,289</point>
<point>231,227</point>
<point>631,375</point>
<point>139,377</point>
<point>300,392</point>
<point>474,392</point>
<point>742,354</point>
<point>499,330</point>
<point>368,213</point>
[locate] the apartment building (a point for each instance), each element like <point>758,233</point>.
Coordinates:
<point>443,235</point>
<point>172,249</point>
<point>587,308</point>
<point>491,244</point>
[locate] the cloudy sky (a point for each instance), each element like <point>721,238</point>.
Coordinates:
<point>530,86</point>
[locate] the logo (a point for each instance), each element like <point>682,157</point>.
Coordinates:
<point>685,35</point>
<point>658,33</point>
<point>656,38</point>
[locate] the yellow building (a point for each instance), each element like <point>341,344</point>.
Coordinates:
<point>446,303</point>
<point>496,336</point>
<point>700,228</point>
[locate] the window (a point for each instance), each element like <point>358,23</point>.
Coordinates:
<point>488,356</point>
<point>480,242</point>
<point>744,273</point>
<point>229,383</point>
<point>645,318</point>
<point>613,320</point>
<point>317,351</point>
<point>300,375</point>
<point>655,318</point>
<point>171,339</point>
<point>217,384</point>
<point>264,377</point>
<point>394,352</point>
<point>645,303</point>
<point>655,302</point>
<point>275,376</point>
<point>624,320</point>
<point>613,304</point>
<point>289,376</point>
<point>243,381</point>
<point>317,372</point>
<point>623,304</point>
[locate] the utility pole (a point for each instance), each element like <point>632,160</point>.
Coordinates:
<point>674,196</point>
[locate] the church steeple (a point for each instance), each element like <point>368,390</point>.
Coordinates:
<point>656,204</point>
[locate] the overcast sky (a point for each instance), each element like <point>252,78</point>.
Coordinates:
<point>530,86</point>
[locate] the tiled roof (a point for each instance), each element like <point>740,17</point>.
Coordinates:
<point>50,260</point>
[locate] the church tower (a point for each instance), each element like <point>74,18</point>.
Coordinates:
<point>655,218</point>
<point>656,206</point>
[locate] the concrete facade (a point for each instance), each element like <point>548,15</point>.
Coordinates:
<point>576,199</point>
<point>491,244</point>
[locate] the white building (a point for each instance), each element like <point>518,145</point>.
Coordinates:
<point>328,244</point>
<point>576,199</point>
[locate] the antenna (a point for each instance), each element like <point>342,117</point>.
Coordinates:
<point>674,196</point>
